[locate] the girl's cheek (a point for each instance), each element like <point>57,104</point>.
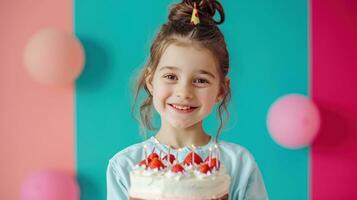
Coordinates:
<point>163,89</point>
<point>208,96</point>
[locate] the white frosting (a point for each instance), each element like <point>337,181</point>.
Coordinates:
<point>190,184</point>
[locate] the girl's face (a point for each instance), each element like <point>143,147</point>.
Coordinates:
<point>185,85</point>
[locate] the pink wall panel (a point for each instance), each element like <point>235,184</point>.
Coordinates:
<point>334,88</point>
<point>36,121</point>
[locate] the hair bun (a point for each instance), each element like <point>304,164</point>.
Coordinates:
<point>206,8</point>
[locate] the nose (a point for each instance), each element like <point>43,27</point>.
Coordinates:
<point>184,91</point>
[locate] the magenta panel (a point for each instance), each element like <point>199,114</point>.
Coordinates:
<point>334,89</point>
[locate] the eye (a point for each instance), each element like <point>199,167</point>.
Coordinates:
<point>170,77</point>
<point>202,81</point>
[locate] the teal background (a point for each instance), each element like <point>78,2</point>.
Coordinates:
<point>268,45</point>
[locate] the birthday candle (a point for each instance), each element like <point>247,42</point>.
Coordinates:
<point>160,154</point>
<point>153,149</point>
<point>168,155</point>
<point>177,152</point>
<point>217,155</point>
<point>210,156</point>
<point>193,154</point>
<point>146,155</point>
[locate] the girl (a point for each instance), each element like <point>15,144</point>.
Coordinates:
<point>185,76</point>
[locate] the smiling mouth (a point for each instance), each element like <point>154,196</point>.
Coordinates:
<point>184,109</point>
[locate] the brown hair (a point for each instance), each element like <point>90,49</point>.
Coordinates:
<point>179,30</point>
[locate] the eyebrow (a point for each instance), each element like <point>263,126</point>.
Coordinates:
<point>201,71</point>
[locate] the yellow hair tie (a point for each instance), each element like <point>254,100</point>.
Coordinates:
<point>194,18</point>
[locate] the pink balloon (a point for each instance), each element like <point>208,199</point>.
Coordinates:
<point>293,121</point>
<point>54,57</point>
<point>49,185</point>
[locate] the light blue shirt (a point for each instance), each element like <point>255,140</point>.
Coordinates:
<point>246,179</point>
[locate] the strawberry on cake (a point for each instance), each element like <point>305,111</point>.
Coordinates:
<point>169,179</point>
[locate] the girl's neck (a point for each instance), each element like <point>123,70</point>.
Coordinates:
<point>179,138</point>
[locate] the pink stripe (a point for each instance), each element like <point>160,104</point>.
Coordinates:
<point>36,122</point>
<point>334,88</point>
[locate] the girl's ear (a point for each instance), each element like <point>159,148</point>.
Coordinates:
<point>223,92</point>
<point>148,74</point>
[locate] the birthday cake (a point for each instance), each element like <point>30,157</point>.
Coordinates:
<point>168,179</point>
